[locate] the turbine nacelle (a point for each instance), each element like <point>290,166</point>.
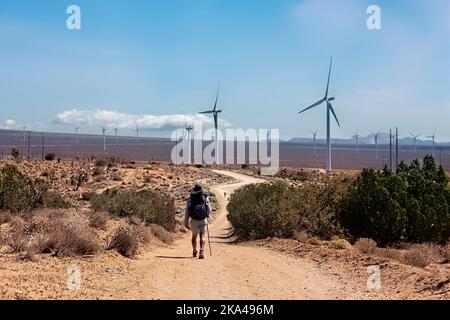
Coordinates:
<point>331,99</point>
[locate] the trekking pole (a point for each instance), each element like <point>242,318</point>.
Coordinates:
<point>209,240</point>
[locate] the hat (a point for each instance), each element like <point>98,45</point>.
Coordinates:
<point>197,188</point>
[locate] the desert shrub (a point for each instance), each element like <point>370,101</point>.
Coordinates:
<point>421,255</point>
<point>254,212</point>
<point>127,239</point>
<point>65,234</point>
<point>97,171</point>
<point>389,253</point>
<point>268,210</point>
<point>55,201</point>
<point>15,153</point>
<point>79,179</point>
<point>410,205</point>
<point>101,162</point>
<point>315,206</point>
<point>340,244</point>
<point>366,246</point>
<point>315,241</point>
<point>100,178</point>
<point>151,207</point>
<point>5,217</point>
<point>147,179</point>
<point>160,233</point>
<point>446,252</point>
<point>50,156</point>
<point>116,177</point>
<point>98,220</point>
<point>17,240</point>
<point>86,196</point>
<point>20,193</point>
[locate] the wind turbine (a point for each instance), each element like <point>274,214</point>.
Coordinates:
<point>137,132</point>
<point>76,135</point>
<point>187,134</point>
<point>329,109</point>
<point>104,138</point>
<point>215,114</point>
<point>24,128</point>
<point>415,141</point>
<point>357,142</point>
<point>314,133</point>
<point>115,131</point>
<point>433,138</point>
<point>375,140</point>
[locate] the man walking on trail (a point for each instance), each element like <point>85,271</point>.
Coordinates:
<point>198,209</point>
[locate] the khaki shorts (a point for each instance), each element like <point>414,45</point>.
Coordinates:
<point>198,226</point>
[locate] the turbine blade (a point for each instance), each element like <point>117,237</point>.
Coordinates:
<point>329,75</point>
<point>334,114</point>
<point>312,106</point>
<point>206,112</point>
<point>217,98</point>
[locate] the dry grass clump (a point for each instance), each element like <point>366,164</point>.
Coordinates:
<point>446,252</point>
<point>389,253</point>
<point>340,244</point>
<point>315,241</point>
<point>421,255</point>
<point>301,236</point>
<point>160,233</point>
<point>5,217</point>
<point>365,246</point>
<point>98,220</point>
<point>127,240</point>
<point>63,233</point>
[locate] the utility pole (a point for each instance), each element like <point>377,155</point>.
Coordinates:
<point>390,149</point>
<point>29,145</point>
<point>104,138</point>
<point>396,148</point>
<point>43,157</point>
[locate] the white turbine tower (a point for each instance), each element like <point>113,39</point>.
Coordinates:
<point>76,135</point>
<point>433,139</point>
<point>415,136</point>
<point>356,142</point>
<point>215,114</point>
<point>375,141</point>
<point>115,131</point>
<point>314,133</point>
<point>137,133</point>
<point>104,138</point>
<point>329,110</point>
<point>24,134</point>
<point>187,135</point>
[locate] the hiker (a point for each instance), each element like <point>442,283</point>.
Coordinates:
<point>198,209</point>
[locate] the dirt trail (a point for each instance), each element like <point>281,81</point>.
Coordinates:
<point>235,271</point>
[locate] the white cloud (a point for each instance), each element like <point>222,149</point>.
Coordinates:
<point>9,124</point>
<point>115,119</point>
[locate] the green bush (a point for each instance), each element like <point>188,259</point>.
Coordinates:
<point>50,156</point>
<point>150,206</point>
<point>277,210</point>
<point>412,205</point>
<point>20,193</point>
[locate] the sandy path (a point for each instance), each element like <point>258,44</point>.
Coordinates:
<point>234,271</point>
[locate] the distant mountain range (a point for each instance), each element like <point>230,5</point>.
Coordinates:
<point>383,139</point>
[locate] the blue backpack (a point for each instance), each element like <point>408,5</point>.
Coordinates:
<point>198,209</point>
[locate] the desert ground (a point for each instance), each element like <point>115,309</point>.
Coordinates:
<point>264,269</point>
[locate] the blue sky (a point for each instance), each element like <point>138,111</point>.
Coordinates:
<point>148,62</point>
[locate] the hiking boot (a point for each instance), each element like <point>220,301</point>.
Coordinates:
<point>194,253</point>
<point>201,256</point>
